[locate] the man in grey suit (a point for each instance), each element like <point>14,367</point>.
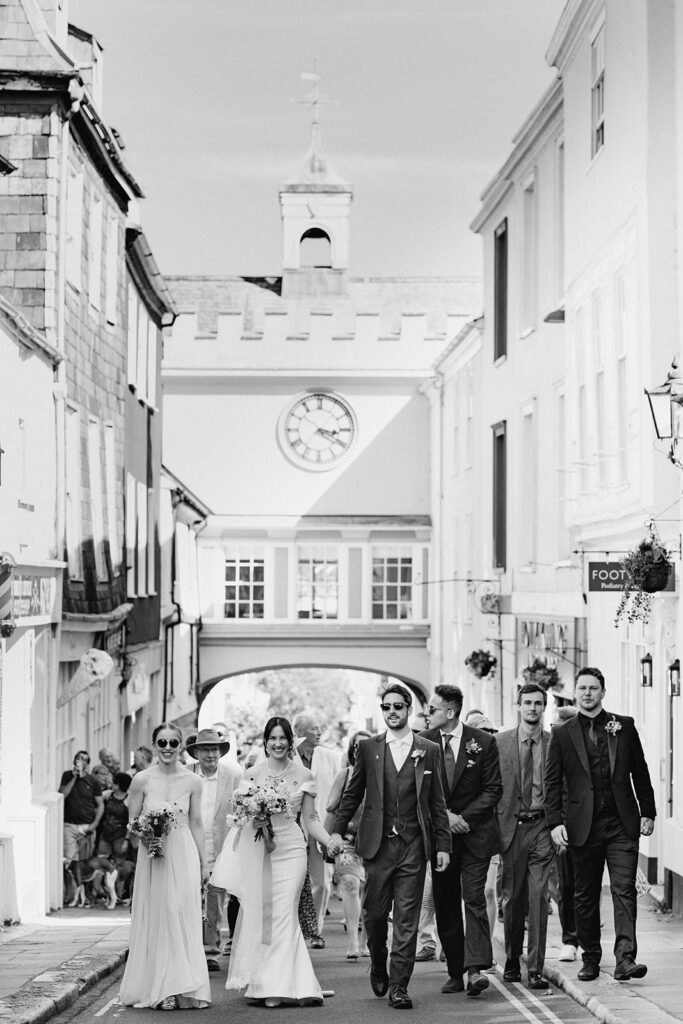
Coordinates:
<point>526,847</point>
<point>404,821</point>
<point>218,785</point>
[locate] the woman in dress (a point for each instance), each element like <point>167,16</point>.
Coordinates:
<point>269,954</point>
<point>349,872</point>
<point>166,966</point>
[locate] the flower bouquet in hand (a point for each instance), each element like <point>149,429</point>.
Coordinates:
<point>256,802</point>
<point>152,826</point>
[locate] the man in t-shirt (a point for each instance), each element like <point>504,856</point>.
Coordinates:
<point>83,808</point>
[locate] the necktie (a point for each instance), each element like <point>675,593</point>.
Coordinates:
<point>528,773</point>
<point>449,759</point>
<point>592,734</point>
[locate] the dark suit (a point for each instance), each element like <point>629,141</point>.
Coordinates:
<point>475,791</point>
<point>527,853</point>
<point>608,790</point>
<point>395,864</point>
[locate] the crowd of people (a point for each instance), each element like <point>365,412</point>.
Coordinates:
<point>433,830</point>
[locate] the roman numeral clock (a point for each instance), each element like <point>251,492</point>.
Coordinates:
<point>317,430</point>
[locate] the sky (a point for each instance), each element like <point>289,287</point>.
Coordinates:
<point>427,95</point>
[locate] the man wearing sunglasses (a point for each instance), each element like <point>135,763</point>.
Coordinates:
<point>403,825</point>
<point>470,772</point>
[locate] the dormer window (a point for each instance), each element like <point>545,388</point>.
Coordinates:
<point>315,250</point>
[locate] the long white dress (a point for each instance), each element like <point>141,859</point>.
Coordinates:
<point>269,954</point>
<point>166,955</point>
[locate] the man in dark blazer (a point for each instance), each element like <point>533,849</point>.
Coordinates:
<point>470,773</point>
<point>609,803</point>
<point>403,824</point>
<point>526,848</point>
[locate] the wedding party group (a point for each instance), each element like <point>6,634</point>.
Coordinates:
<point>423,817</point>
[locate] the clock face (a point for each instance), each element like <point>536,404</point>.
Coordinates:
<point>317,430</point>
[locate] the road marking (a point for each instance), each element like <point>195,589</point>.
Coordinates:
<point>107,1007</point>
<point>518,1005</point>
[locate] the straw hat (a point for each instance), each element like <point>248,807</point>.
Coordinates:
<point>207,738</point>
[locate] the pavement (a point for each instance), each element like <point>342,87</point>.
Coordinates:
<point>44,967</point>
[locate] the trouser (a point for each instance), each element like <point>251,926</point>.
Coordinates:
<point>426,929</point>
<point>565,897</point>
<point>610,845</point>
<point>321,881</point>
<point>464,880</point>
<point>526,868</point>
<point>394,877</point>
<point>215,907</point>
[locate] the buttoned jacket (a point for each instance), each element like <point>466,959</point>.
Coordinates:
<point>510,803</point>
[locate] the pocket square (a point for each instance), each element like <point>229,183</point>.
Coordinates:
<point>427,771</point>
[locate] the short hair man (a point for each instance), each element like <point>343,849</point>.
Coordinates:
<point>470,773</point>
<point>526,847</point>
<point>104,772</point>
<point>403,821</point>
<point>83,809</point>
<point>325,764</point>
<point>597,759</point>
<point>142,758</point>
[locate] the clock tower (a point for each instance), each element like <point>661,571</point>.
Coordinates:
<point>316,206</point>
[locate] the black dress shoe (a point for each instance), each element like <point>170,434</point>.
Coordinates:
<point>476,982</point>
<point>399,998</point>
<point>212,964</point>
<point>512,971</point>
<point>379,980</point>
<point>589,972</point>
<point>453,985</point>
<point>537,981</point>
<point>628,969</point>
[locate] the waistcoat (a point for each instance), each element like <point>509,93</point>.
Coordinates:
<point>400,799</point>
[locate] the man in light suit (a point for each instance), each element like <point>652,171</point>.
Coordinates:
<point>470,773</point>
<point>526,847</point>
<point>598,760</point>
<point>218,785</point>
<point>404,821</point>
<point>324,764</point>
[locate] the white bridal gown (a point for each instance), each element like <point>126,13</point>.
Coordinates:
<point>269,954</point>
<point>166,956</point>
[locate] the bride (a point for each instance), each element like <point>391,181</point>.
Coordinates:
<point>269,953</point>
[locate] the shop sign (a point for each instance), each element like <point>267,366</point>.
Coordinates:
<point>33,596</point>
<point>94,667</point>
<point>610,577</point>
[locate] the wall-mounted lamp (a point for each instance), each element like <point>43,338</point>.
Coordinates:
<point>666,406</point>
<point>646,670</point>
<point>675,678</point>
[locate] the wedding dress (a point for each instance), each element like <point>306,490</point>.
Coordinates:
<point>166,955</point>
<point>269,954</point>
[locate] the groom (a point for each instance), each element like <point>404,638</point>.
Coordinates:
<point>403,819</point>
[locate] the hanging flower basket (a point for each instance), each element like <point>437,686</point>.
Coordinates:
<point>545,676</point>
<point>481,663</point>
<point>646,571</point>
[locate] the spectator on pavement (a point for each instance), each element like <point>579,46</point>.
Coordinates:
<point>142,758</point>
<point>114,824</point>
<point>83,809</point>
<point>104,771</point>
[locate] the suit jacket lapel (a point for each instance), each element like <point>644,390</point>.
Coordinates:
<point>419,765</point>
<point>612,740</point>
<point>576,734</point>
<point>461,759</point>
<point>514,758</point>
<point>379,760</point>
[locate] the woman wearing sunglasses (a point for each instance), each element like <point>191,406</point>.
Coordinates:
<point>166,966</point>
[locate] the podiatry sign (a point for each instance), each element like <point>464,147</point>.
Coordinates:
<point>610,577</point>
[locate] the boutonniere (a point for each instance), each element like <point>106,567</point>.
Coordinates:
<point>470,764</point>
<point>612,727</point>
<point>472,747</point>
<point>418,754</point>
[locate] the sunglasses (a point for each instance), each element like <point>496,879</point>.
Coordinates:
<point>432,710</point>
<point>398,706</point>
<point>173,744</point>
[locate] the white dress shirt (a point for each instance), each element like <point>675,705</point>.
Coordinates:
<point>399,745</point>
<point>456,737</point>
<point>209,790</point>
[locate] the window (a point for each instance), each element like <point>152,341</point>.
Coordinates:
<point>151,362</point>
<point>315,249</point>
<point>151,546</point>
<point>112,270</point>
<point>392,583</point>
<point>318,583</point>
<point>74,227</point>
<point>499,496</point>
<point>468,565</point>
<point>621,326</point>
<point>561,471</point>
<point>500,291</point>
<point>598,92</point>
<point>529,254</point>
<point>600,394</point>
<point>528,525</point>
<point>131,534</point>
<point>74,533</point>
<point>96,498</point>
<point>95,252</point>
<point>112,490</point>
<point>143,586</point>
<point>454,404</point>
<point>244,587</point>
<point>142,349</point>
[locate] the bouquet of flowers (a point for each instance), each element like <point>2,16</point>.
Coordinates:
<point>153,824</point>
<point>256,803</point>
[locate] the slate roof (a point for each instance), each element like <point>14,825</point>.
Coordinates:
<point>26,47</point>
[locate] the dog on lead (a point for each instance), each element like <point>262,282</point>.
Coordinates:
<point>90,880</point>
